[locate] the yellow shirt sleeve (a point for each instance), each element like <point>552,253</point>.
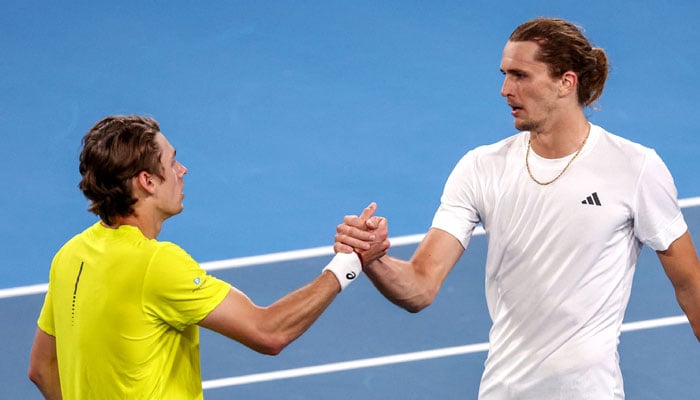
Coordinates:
<point>177,290</point>
<point>45,321</point>
<point>46,316</point>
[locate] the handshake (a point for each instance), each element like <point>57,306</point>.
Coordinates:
<point>366,237</point>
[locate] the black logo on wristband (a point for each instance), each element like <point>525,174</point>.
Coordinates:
<point>350,276</point>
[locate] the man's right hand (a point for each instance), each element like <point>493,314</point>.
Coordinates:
<point>366,235</point>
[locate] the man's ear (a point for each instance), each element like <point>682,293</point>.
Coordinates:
<point>144,181</point>
<point>569,83</point>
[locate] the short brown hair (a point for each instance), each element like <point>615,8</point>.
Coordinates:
<point>115,150</point>
<point>563,47</point>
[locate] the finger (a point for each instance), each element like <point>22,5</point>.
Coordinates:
<point>354,221</point>
<point>341,248</point>
<point>368,211</point>
<point>380,227</point>
<point>374,222</point>
<point>375,252</point>
<point>345,240</point>
<point>356,233</point>
<point>386,244</point>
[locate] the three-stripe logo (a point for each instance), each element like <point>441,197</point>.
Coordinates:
<point>592,199</point>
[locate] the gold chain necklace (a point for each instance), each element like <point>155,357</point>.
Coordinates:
<point>527,164</point>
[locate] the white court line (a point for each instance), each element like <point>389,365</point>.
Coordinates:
<point>24,290</point>
<point>401,358</point>
<point>689,202</point>
<point>280,257</point>
<point>654,323</point>
<point>345,366</point>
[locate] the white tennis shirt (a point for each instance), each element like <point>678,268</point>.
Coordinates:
<point>560,257</point>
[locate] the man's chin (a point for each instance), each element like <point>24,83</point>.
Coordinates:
<point>524,125</point>
<point>176,212</point>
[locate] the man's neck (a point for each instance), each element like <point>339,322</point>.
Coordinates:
<point>150,228</point>
<point>560,139</point>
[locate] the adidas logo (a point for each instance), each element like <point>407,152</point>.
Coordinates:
<point>592,200</point>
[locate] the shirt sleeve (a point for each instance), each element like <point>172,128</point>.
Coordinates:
<point>178,291</point>
<point>45,321</point>
<point>658,219</point>
<point>457,214</point>
<point>46,317</point>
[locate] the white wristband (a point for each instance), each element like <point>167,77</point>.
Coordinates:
<point>346,267</point>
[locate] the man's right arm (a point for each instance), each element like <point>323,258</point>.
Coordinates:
<point>412,284</point>
<point>270,329</point>
<point>43,365</point>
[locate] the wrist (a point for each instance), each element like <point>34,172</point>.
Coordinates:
<point>346,267</point>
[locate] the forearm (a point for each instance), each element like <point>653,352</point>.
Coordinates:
<point>681,264</point>
<point>43,365</point>
<point>50,387</point>
<point>270,329</point>
<point>293,314</point>
<point>414,284</point>
<point>397,281</point>
<point>688,297</point>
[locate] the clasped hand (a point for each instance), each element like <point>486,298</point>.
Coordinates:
<point>366,235</point>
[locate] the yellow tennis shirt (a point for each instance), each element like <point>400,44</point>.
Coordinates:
<point>123,309</point>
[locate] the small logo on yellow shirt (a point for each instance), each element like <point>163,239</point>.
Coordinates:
<point>199,282</point>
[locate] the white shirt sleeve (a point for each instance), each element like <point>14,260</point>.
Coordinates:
<point>658,219</point>
<point>458,212</point>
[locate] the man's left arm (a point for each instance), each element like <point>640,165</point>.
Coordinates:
<point>680,261</point>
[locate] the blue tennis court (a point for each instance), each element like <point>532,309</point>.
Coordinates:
<point>290,115</point>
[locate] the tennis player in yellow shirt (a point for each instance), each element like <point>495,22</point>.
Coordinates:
<point>122,311</point>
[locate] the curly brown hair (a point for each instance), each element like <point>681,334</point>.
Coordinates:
<point>563,47</point>
<point>116,149</point>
